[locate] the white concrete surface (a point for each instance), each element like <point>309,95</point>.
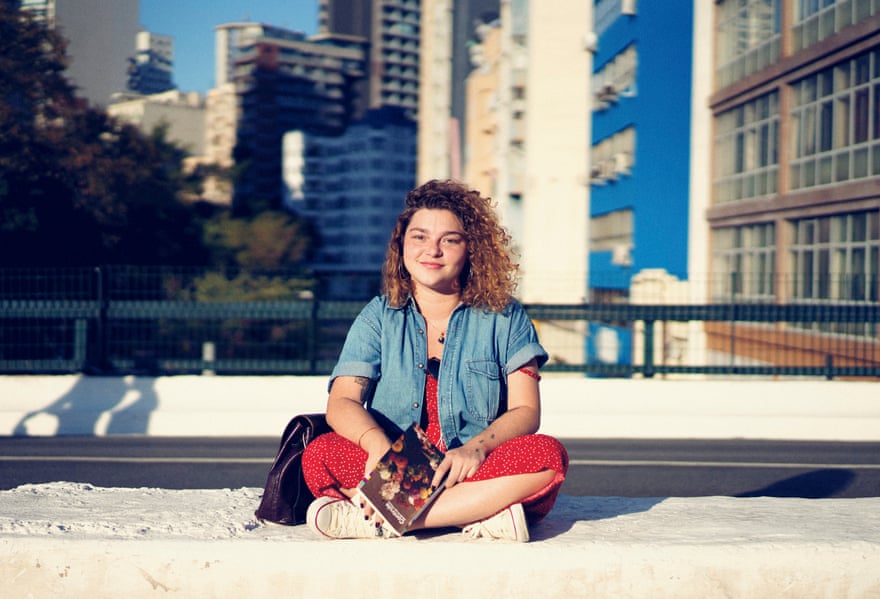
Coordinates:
<point>574,407</point>
<point>75,540</point>
<point>65,540</point>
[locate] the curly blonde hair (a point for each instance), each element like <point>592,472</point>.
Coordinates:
<point>488,280</point>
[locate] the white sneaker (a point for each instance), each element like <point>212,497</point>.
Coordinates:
<point>508,524</point>
<point>341,519</point>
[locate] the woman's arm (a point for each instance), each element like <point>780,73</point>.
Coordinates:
<point>347,416</point>
<point>523,417</point>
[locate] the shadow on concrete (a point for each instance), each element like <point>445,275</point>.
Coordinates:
<point>95,406</point>
<point>570,509</point>
<point>817,484</point>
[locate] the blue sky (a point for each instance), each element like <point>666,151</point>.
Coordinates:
<point>191,23</point>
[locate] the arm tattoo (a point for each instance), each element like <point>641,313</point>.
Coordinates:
<point>364,383</point>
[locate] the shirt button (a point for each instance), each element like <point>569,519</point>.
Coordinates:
<point>421,366</point>
<point>415,404</point>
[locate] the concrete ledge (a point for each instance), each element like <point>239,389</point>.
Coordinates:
<point>77,541</point>
<point>574,407</point>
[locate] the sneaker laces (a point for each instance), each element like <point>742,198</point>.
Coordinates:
<point>502,525</point>
<point>347,521</point>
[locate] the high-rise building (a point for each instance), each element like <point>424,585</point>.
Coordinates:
<point>641,130</point>
<point>324,127</point>
<point>527,133</point>
<point>794,212</point>
<point>150,69</point>
<point>391,28</point>
<point>281,81</point>
<point>448,32</point>
<point>351,187</point>
<point>101,39</point>
<point>232,39</point>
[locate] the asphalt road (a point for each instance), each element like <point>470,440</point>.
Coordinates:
<point>624,468</point>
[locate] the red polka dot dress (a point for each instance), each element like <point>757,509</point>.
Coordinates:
<point>332,462</point>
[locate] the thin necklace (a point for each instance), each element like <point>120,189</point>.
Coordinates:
<point>442,339</point>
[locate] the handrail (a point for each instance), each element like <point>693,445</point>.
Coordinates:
<point>304,336</point>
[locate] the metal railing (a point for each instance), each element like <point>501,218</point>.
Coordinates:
<point>66,323</point>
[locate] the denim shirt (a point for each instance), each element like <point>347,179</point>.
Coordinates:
<point>389,346</point>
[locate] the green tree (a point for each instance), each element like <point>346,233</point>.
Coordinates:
<point>263,258</point>
<point>76,186</point>
<point>35,201</point>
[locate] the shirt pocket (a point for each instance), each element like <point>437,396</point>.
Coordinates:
<point>482,389</point>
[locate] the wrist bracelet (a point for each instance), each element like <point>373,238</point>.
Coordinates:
<point>364,433</point>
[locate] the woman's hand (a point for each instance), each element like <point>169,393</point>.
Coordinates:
<point>374,454</point>
<point>460,463</point>
<point>523,416</point>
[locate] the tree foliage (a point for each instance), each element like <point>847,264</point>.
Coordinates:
<point>76,186</point>
<point>252,251</point>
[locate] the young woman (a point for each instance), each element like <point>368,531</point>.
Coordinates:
<point>447,346</point>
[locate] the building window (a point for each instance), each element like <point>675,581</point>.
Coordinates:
<point>836,123</point>
<point>746,144</point>
<point>815,20</point>
<point>606,12</point>
<point>611,231</point>
<point>835,258</point>
<point>748,38</point>
<point>743,262</point>
<point>613,157</point>
<point>616,79</point>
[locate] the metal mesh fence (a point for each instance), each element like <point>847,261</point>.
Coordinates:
<point>173,321</point>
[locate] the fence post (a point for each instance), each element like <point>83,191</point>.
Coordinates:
<point>649,349</point>
<point>733,283</point>
<point>312,328</point>
<point>98,362</point>
<point>80,343</point>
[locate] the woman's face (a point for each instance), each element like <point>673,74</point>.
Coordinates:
<point>435,250</point>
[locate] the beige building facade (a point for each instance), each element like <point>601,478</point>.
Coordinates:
<point>182,113</point>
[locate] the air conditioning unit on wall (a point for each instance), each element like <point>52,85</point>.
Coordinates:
<point>621,255</point>
<point>622,163</point>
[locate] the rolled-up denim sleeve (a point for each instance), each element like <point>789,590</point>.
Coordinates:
<point>525,354</point>
<point>362,351</point>
<point>524,344</point>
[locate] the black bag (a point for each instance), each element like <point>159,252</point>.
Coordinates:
<point>286,496</point>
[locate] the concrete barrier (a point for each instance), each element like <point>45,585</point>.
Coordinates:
<point>574,407</point>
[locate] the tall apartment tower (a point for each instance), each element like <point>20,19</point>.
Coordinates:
<point>101,39</point>
<point>276,80</point>
<point>448,31</point>
<point>640,107</point>
<point>231,40</point>
<point>391,28</point>
<point>351,187</point>
<point>150,70</point>
<point>527,133</point>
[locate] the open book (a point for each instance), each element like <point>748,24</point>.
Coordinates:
<point>399,487</point>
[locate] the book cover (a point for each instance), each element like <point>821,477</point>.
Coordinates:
<point>399,487</point>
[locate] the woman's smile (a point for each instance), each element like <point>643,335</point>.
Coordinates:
<point>435,250</point>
